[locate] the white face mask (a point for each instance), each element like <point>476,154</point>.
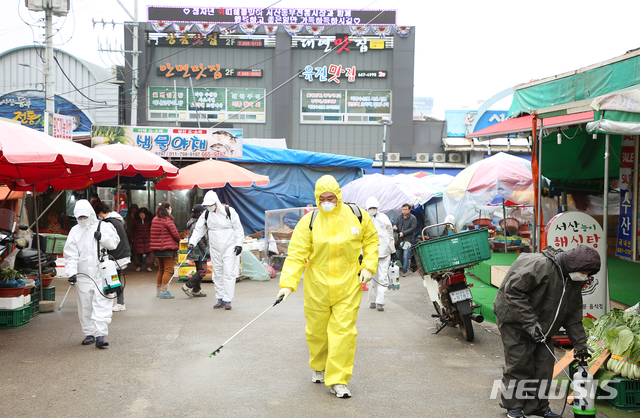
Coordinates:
<point>169,211</point>
<point>211,208</point>
<point>579,277</point>
<point>372,212</point>
<point>327,206</point>
<point>83,222</point>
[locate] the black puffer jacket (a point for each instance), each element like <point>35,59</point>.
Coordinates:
<point>531,292</point>
<point>201,252</point>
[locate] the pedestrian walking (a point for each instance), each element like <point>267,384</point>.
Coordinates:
<point>386,251</point>
<point>164,244</point>
<point>199,255</point>
<point>121,254</point>
<point>540,293</point>
<point>328,242</point>
<point>226,235</point>
<point>405,226</point>
<point>83,268</point>
<point>141,237</point>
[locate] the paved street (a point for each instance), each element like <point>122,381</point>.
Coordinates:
<point>158,361</point>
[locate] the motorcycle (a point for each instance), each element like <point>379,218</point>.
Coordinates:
<point>450,293</point>
<point>26,259</point>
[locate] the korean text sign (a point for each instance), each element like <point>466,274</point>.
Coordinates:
<point>566,231</point>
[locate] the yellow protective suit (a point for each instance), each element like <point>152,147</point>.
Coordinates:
<point>332,291</point>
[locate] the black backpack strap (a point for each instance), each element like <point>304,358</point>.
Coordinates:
<point>314,214</point>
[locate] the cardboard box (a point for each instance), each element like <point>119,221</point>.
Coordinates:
<point>498,274</point>
<point>12,303</point>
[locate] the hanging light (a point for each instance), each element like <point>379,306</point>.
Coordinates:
<point>595,136</point>
<point>559,137</point>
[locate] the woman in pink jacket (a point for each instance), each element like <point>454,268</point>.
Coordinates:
<point>164,241</point>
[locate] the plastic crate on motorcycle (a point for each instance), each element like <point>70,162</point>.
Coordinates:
<point>453,251</point>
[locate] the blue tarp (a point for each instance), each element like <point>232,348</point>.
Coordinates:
<point>268,155</point>
<point>292,174</point>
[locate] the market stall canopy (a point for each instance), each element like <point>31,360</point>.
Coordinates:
<point>29,156</point>
<point>572,92</point>
<point>502,175</point>
<point>138,161</point>
<point>267,155</point>
<point>524,125</point>
<point>211,174</point>
<point>391,192</point>
<point>619,114</point>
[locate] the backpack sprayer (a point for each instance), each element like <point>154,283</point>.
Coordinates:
<point>584,404</point>
<point>108,272</point>
<point>394,276</point>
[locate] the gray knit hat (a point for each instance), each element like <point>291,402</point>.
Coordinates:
<point>581,258</point>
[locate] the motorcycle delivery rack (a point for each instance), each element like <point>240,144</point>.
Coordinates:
<point>444,259</point>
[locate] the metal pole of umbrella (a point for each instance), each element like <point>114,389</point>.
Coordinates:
<point>35,209</point>
<point>504,222</point>
<point>605,223</point>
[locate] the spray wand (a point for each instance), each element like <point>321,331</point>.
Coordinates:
<point>217,350</point>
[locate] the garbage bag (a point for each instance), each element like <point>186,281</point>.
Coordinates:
<point>252,268</point>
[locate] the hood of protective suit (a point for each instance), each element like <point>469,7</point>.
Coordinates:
<point>372,202</point>
<point>211,198</point>
<point>581,258</point>
<point>84,208</point>
<point>324,184</point>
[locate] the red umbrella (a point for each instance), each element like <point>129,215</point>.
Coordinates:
<point>103,168</point>
<point>30,156</point>
<point>211,174</point>
<point>138,161</point>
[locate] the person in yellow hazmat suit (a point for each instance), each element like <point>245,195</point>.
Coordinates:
<point>328,242</point>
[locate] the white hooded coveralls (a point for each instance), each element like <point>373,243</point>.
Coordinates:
<point>385,249</point>
<point>81,258</point>
<point>224,235</point>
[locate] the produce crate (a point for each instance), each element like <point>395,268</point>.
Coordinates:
<point>15,318</point>
<point>49,293</point>
<point>627,397</point>
<point>54,243</point>
<point>453,251</point>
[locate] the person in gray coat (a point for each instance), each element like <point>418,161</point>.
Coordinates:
<point>199,255</point>
<point>540,294</point>
<point>405,225</point>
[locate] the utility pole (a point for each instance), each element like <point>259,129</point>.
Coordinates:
<point>49,91</point>
<point>134,60</point>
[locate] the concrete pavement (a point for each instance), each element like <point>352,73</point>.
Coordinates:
<point>158,361</point>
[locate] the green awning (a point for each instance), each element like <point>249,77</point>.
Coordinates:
<point>614,75</point>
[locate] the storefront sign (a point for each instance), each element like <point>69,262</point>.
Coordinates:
<point>623,243</point>
<point>334,72</point>
<point>170,103</point>
<point>59,126</point>
<point>276,16</point>
<point>200,70</point>
<point>28,106</point>
<point>570,229</point>
<point>212,40</point>
<point>174,142</point>
<point>323,101</point>
<point>339,43</point>
<point>372,101</point>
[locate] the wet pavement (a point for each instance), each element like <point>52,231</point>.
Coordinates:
<point>158,364</point>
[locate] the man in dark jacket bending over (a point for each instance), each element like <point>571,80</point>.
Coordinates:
<point>540,294</point>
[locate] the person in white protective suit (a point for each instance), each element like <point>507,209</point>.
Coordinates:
<point>386,251</point>
<point>225,244</point>
<point>83,268</point>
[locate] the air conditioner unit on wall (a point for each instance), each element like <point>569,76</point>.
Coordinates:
<point>378,157</point>
<point>439,158</point>
<point>422,157</point>
<point>393,156</point>
<point>455,158</point>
